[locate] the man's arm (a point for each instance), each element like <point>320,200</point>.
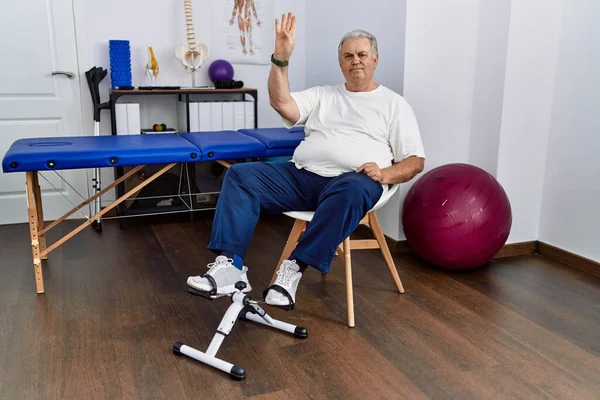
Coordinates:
<point>400,172</point>
<point>403,171</point>
<point>407,147</point>
<point>279,88</point>
<point>279,94</point>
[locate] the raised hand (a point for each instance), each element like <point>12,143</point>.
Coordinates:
<point>285,36</point>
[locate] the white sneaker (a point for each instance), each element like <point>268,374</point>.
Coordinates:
<point>225,276</point>
<point>288,277</point>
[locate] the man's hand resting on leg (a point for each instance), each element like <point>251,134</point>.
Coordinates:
<point>400,172</point>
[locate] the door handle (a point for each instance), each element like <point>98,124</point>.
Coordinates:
<point>69,75</point>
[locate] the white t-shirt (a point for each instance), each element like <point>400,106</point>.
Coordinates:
<point>346,129</point>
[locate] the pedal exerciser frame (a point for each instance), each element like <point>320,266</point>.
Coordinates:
<point>242,307</point>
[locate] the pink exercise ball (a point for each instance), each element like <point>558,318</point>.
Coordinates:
<point>456,217</point>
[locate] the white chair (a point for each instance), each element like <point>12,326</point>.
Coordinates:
<point>304,217</point>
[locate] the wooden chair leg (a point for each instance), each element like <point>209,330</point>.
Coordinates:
<point>297,230</point>
<point>30,180</point>
<point>387,256</point>
<point>349,291</point>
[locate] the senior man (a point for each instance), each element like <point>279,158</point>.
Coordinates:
<point>360,138</point>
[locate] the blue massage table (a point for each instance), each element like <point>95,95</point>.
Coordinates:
<point>82,152</point>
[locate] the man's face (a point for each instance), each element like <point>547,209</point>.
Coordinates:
<point>356,60</point>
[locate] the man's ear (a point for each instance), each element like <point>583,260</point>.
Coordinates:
<point>376,60</point>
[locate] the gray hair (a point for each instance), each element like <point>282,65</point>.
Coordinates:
<point>359,34</point>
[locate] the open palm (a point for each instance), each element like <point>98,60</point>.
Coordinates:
<point>285,36</point>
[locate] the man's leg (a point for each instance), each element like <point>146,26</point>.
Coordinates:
<point>247,189</point>
<point>342,203</point>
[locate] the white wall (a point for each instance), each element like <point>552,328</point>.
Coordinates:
<point>441,51</point>
<point>454,78</point>
<point>570,216</point>
<point>326,23</point>
<point>488,91</point>
<point>529,85</point>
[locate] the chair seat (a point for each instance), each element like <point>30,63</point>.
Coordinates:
<point>308,215</point>
<point>301,215</point>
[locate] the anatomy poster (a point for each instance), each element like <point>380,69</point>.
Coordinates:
<point>242,31</point>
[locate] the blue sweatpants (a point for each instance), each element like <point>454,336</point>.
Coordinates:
<point>274,187</point>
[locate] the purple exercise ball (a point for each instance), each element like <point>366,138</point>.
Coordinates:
<point>456,217</point>
<point>220,70</point>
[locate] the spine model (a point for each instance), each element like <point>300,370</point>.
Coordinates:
<point>191,54</point>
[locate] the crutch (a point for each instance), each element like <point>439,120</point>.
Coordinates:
<point>94,77</point>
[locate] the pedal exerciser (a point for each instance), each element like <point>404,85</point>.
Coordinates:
<point>242,307</point>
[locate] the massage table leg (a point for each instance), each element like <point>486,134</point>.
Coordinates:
<point>224,163</point>
<point>40,214</point>
<point>97,225</point>
<point>33,213</point>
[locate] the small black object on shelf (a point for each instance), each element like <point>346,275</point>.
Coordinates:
<point>159,87</point>
<point>228,84</point>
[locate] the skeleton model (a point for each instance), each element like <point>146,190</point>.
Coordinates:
<point>191,54</point>
<point>245,9</point>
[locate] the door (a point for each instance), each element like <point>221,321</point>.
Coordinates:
<point>37,38</point>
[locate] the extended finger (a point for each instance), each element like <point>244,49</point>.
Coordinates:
<point>283,22</point>
<point>289,21</point>
<point>293,25</point>
<point>277,30</point>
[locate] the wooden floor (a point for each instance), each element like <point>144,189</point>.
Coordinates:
<point>116,302</point>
